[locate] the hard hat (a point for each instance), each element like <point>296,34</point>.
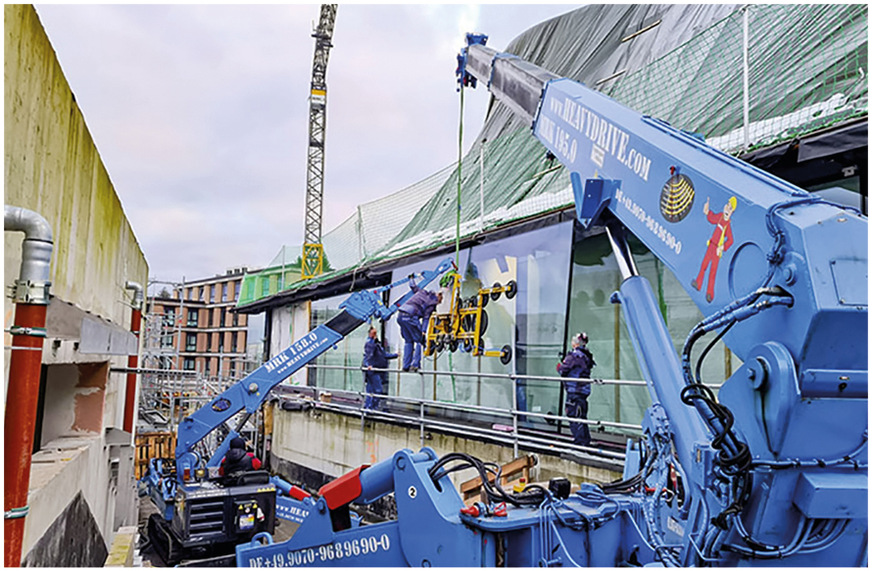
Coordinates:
<point>732,202</point>
<point>581,338</point>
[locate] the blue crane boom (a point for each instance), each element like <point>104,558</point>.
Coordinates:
<point>770,471</point>
<point>741,242</point>
<point>252,391</point>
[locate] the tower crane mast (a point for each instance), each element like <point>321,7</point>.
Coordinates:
<point>313,250</point>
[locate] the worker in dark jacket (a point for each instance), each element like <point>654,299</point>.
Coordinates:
<point>413,318</point>
<point>238,459</point>
<point>577,365</point>
<point>375,356</point>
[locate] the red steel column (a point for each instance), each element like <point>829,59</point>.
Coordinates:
<point>25,367</point>
<point>31,296</point>
<point>132,362</point>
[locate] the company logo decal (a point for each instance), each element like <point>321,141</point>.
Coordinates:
<point>221,405</point>
<point>676,198</point>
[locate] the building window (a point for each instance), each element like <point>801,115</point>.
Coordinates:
<point>235,319</point>
<point>224,292</point>
<point>847,191</point>
<point>201,293</point>
<point>166,341</point>
<point>193,317</point>
<point>223,314</point>
<point>212,293</point>
<point>233,340</point>
<point>190,342</point>
<point>236,287</point>
<point>169,318</point>
<point>188,364</point>
<point>189,294</point>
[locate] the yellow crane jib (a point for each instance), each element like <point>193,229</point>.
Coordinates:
<point>313,251</point>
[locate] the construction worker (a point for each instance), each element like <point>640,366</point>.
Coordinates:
<point>413,318</point>
<point>577,365</point>
<point>375,356</point>
<point>238,459</point>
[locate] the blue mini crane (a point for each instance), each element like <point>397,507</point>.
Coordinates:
<point>771,471</point>
<point>201,511</point>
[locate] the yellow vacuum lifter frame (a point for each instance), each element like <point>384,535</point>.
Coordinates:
<point>466,322</point>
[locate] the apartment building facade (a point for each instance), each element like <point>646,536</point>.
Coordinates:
<point>198,329</point>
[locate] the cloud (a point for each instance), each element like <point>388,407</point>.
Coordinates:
<point>200,113</point>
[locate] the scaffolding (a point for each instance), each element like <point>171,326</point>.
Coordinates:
<point>165,389</point>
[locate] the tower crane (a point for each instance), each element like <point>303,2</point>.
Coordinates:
<point>313,250</point>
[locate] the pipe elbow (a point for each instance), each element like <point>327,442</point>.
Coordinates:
<point>34,226</point>
<point>33,280</point>
<point>136,287</point>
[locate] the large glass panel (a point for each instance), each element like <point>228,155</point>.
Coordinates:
<point>595,277</point>
<point>847,191</point>
<point>531,323</point>
<point>348,352</point>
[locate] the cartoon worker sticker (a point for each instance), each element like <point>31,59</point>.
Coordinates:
<point>721,240</point>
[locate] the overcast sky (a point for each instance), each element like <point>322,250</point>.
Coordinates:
<point>200,113</point>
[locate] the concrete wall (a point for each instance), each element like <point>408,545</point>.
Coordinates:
<point>316,446</point>
<point>80,478</point>
<point>52,166</point>
<point>70,470</point>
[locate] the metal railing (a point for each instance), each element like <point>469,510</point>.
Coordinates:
<point>505,434</point>
<point>431,413</point>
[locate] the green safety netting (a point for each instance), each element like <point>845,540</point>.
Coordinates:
<point>806,72</point>
<point>680,63</point>
<point>356,239</point>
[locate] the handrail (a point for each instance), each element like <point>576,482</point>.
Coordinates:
<point>467,429</point>
<point>493,375</point>
<point>516,438</point>
<point>510,436</point>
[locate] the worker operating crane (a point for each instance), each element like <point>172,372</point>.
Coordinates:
<point>313,251</point>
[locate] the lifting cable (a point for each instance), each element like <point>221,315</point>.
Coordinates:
<point>459,182</point>
<point>457,223</point>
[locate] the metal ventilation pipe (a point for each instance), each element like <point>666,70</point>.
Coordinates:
<point>132,360</point>
<point>31,296</point>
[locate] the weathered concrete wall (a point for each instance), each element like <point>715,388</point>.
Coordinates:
<point>316,446</point>
<point>66,469</point>
<point>52,166</point>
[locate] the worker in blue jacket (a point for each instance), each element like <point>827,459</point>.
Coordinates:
<point>375,356</point>
<point>412,319</point>
<point>577,365</point>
